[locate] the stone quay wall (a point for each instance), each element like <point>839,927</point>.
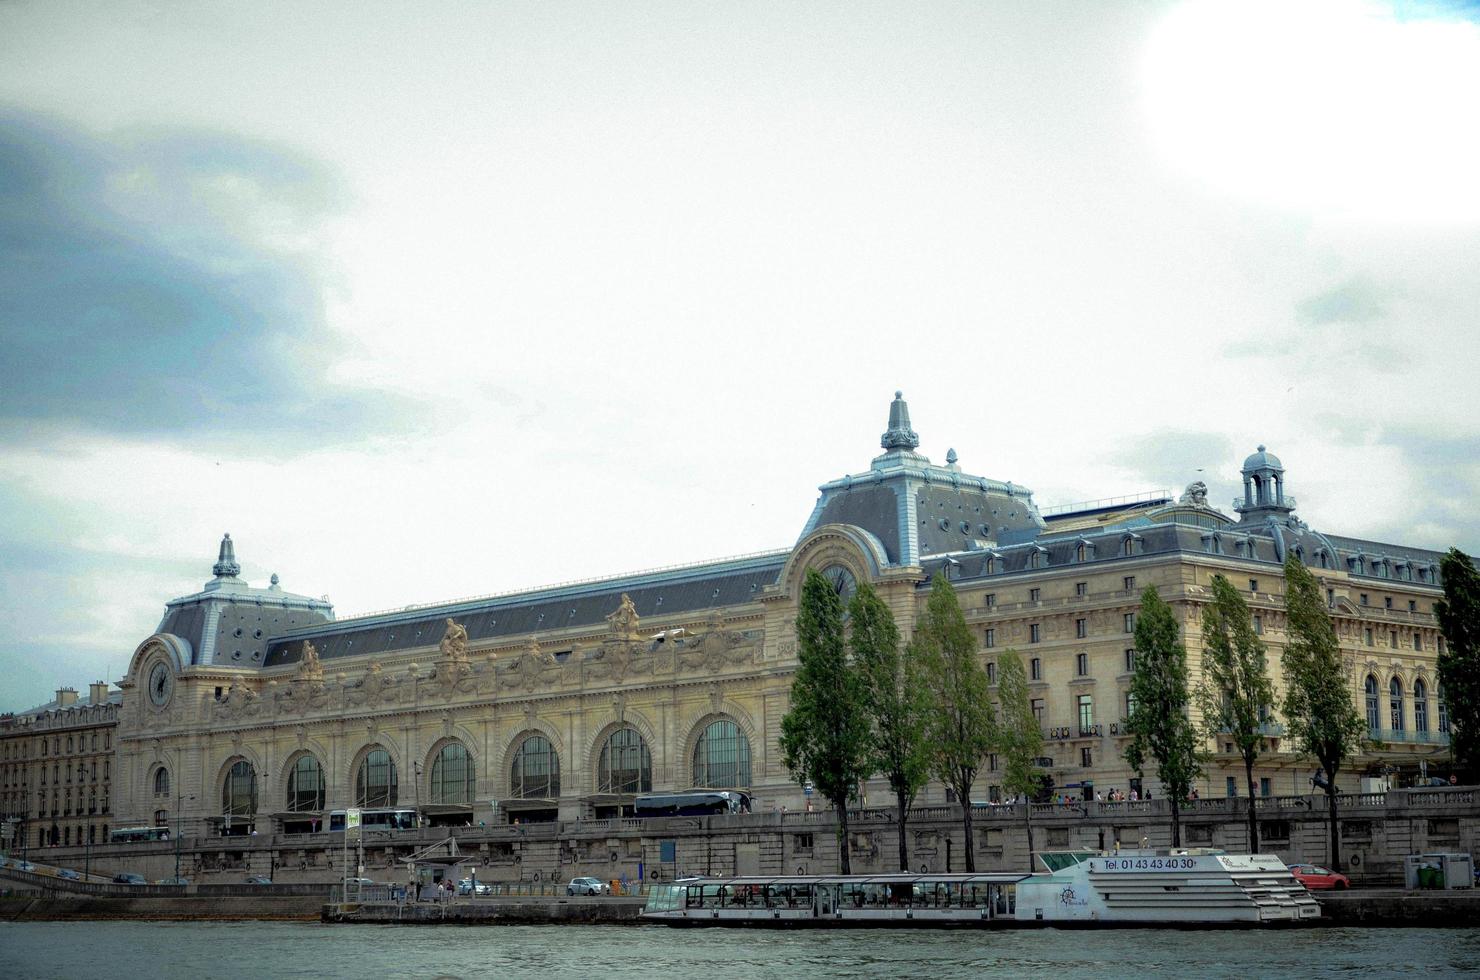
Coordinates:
<point>1378,831</point>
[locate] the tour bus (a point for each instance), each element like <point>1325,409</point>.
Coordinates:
<point>691,804</point>
<point>389,818</point>
<point>130,835</point>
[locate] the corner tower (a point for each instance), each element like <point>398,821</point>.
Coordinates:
<point>1264,489</point>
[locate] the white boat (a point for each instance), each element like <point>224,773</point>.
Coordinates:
<point>1073,888</point>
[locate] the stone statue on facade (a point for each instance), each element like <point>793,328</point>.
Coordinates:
<point>1196,494</point>
<point>454,644</point>
<point>309,668</point>
<point>624,621</point>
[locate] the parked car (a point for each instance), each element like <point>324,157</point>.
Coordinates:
<point>1315,877</point>
<point>69,874</point>
<point>129,878</point>
<point>173,881</point>
<point>465,887</point>
<point>585,886</point>
<point>23,866</point>
<point>258,880</point>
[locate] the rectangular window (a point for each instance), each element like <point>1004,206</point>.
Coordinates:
<point>1264,787</point>
<point>1258,624</point>
<point>1037,706</point>
<point>1364,598</point>
<point>1130,622</point>
<point>1387,602</point>
<point>1230,787</point>
<point>1034,594</point>
<point>991,637</point>
<point>1253,585</point>
<point>1412,606</point>
<point>1081,589</point>
<point>1367,635</point>
<point>1130,704</point>
<point>1081,664</point>
<point>992,762</point>
<point>1393,639</point>
<point>991,671</point>
<point>1128,583</point>
<point>991,600</point>
<point>1081,628</point>
<point>1086,757</point>
<point>1086,712</point>
<point>1331,598</point>
<point>1035,669</point>
<point>1130,661</point>
<point>1034,632</point>
<point>1417,642</point>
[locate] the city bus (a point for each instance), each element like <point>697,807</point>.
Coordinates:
<point>389,818</point>
<point>130,835</point>
<point>691,804</point>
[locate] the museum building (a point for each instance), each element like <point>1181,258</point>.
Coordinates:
<point>253,709</point>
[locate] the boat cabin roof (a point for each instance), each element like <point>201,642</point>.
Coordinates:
<point>885,879</point>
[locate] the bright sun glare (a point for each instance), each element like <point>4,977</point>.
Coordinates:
<point>1332,106</point>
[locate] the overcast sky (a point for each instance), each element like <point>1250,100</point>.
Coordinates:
<point>421,301</point>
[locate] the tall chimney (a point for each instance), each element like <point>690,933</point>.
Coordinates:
<point>66,697</point>
<point>97,692</point>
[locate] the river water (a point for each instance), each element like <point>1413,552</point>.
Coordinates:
<point>162,951</point>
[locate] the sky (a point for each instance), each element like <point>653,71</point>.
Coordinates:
<point>424,301</point>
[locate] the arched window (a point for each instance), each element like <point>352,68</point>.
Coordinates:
<point>305,785</point>
<point>1395,704</point>
<point>375,781</point>
<point>625,766</point>
<point>535,774</point>
<point>239,792</point>
<point>1128,546</point>
<point>1420,707</point>
<point>161,781</point>
<point>722,757</point>
<point>1079,551</point>
<point>1443,711</point>
<point>1374,716</point>
<point>452,775</point>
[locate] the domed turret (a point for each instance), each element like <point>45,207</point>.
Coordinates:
<point>1264,488</point>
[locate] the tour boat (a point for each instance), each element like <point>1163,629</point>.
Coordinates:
<point>1074,888</point>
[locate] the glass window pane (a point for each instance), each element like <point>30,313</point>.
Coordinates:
<point>722,757</point>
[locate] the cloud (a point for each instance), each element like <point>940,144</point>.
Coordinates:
<point>164,284</point>
<point>1355,301</point>
<point>1173,458</point>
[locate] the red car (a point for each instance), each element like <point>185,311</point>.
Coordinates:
<point>1315,877</point>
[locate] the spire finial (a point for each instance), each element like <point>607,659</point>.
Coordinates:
<point>899,434</point>
<point>226,566</point>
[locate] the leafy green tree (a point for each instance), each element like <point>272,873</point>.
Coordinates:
<point>960,724</point>
<point>1019,739</point>
<point>1159,724</point>
<point>1236,693</point>
<point>1459,664</point>
<point>1320,714</point>
<point>895,694</point>
<point>825,734</point>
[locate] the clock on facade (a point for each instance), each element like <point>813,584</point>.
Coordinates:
<point>161,682</point>
<point>842,582</point>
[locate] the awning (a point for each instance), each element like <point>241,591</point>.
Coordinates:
<point>441,809</point>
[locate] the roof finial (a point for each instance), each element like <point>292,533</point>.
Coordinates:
<point>899,435</point>
<point>226,566</point>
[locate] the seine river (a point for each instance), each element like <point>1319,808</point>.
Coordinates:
<point>270,949</point>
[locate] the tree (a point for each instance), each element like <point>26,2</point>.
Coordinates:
<point>825,735</point>
<point>1459,663</point>
<point>895,695</point>
<point>1320,714</point>
<point>1236,694</point>
<point>1159,724</point>
<point>1019,739</point>
<point>960,724</point>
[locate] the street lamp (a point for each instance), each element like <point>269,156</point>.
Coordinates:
<point>180,799</point>
<point>87,843</point>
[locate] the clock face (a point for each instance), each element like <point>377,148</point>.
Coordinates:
<point>842,582</point>
<point>160,683</point>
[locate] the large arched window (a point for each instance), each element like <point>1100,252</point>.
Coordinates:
<point>161,781</point>
<point>535,774</point>
<point>1420,707</point>
<point>625,766</point>
<point>452,775</point>
<point>239,792</point>
<point>1374,712</point>
<point>375,780</point>
<point>722,757</point>
<point>305,785</point>
<point>1395,704</point>
<point>1443,710</point>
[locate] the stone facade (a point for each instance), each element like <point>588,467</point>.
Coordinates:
<point>254,710</point>
<point>56,769</point>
